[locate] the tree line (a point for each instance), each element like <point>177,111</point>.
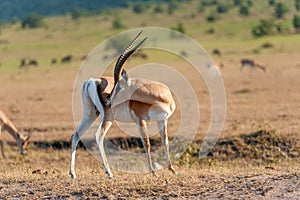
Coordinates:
<point>11,9</point>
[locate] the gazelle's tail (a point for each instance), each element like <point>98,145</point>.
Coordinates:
<point>91,90</point>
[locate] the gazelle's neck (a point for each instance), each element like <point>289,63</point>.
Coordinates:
<point>9,126</point>
<point>12,130</point>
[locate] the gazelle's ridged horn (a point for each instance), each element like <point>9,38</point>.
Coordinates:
<point>118,71</point>
<point>127,49</point>
<point>123,57</point>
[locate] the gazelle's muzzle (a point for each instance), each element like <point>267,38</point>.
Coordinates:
<point>23,152</point>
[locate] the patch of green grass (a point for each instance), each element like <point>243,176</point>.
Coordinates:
<point>62,35</point>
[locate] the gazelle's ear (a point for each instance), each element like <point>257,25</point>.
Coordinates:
<point>125,75</point>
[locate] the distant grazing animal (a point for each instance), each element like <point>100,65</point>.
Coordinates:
<point>67,59</point>
<point>252,64</point>
<point>22,140</point>
<point>217,52</point>
<point>27,62</point>
<point>53,61</point>
<point>22,63</point>
<point>129,100</point>
<point>33,62</point>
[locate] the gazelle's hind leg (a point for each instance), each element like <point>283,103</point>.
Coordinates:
<point>142,126</point>
<point>89,117</point>
<point>99,137</point>
<point>162,126</point>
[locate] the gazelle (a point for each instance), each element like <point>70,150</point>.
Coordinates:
<point>6,124</point>
<point>128,100</point>
<point>252,63</point>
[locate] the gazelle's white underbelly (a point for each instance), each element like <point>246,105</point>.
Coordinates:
<point>121,113</point>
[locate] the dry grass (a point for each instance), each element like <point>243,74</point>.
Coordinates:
<point>43,174</point>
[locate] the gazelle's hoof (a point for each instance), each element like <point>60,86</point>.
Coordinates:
<point>153,173</point>
<point>73,175</point>
<point>171,168</point>
<point>110,175</point>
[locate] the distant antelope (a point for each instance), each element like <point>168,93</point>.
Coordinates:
<point>252,63</point>
<point>66,59</point>
<point>53,61</point>
<point>217,52</point>
<point>33,62</point>
<point>128,100</point>
<point>22,63</point>
<point>6,124</point>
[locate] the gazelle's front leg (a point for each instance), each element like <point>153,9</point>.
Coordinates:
<point>162,126</point>
<point>142,126</point>
<point>99,137</point>
<point>1,144</point>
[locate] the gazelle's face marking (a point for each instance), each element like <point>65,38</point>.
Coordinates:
<point>118,92</point>
<point>22,144</point>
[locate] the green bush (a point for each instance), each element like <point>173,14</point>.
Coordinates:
<point>282,27</point>
<point>139,7</point>
<point>297,5</point>
<point>33,21</point>
<point>267,45</point>
<point>244,10</point>
<point>249,3</point>
<point>76,13</point>
<point>117,24</point>
<point>264,27</point>
<point>15,20</point>
<point>180,28</point>
<point>212,17</point>
<point>222,8</point>
<point>272,2</point>
<point>158,8</point>
<point>281,9</point>
<point>237,2</point>
<point>296,21</point>
<point>206,3</point>
<point>172,6</point>
<point>211,31</point>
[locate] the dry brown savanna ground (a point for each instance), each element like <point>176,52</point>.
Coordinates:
<point>256,157</point>
<point>41,99</point>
